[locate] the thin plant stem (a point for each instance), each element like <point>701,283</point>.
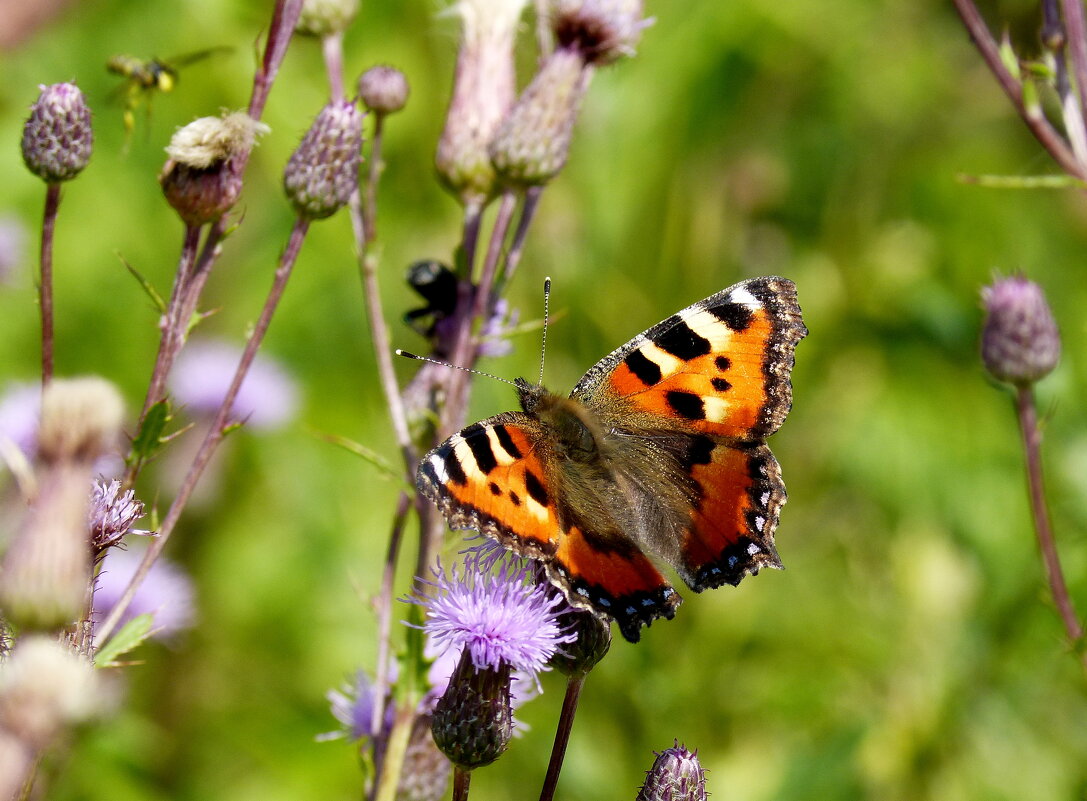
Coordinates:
<point>45,289</point>
<point>517,246</point>
<point>473,216</point>
<point>373,176</point>
<point>1032,440</point>
<point>332,50</point>
<point>219,427</point>
<point>284,19</point>
<point>562,736</point>
<point>1043,131</point>
<point>395,749</point>
<point>384,605</point>
<point>1076,29</point>
<point>461,779</point>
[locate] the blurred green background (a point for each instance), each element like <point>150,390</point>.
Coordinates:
<point>910,649</point>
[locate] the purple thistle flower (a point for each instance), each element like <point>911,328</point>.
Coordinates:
<point>20,410</point>
<point>112,514</point>
<point>353,706</point>
<point>1020,343</point>
<point>166,593</point>
<point>676,775</point>
<point>500,618</point>
<point>267,399</point>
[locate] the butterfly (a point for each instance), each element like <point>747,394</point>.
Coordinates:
<point>658,453</point>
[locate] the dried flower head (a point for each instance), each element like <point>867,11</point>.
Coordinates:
<point>166,593</point>
<point>676,775</point>
<point>325,17</point>
<point>484,85</point>
<point>208,141</point>
<point>112,514</point>
<point>44,686</point>
<point>533,141</point>
<point>383,89</point>
<point>602,31</point>
<point>323,172</point>
<point>1019,342</point>
<point>80,419</point>
<point>57,138</point>
<point>47,567</point>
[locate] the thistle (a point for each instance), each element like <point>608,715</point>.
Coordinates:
<point>676,775</point>
<point>57,138</point>
<point>383,89</point>
<point>1020,343</point>
<point>323,172</point>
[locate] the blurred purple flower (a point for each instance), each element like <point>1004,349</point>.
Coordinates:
<point>268,397</point>
<point>20,407</point>
<point>493,336</point>
<point>353,706</point>
<point>166,593</point>
<point>498,617</point>
<point>13,238</point>
<point>113,513</point>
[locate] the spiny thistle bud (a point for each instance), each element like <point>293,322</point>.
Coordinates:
<point>324,170</point>
<point>577,658</point>
<point>44,686</point>
<point>532,144</point>
<point>57,139</point>
<point>202,179</point>
<point>473,720</point>
<point>1020,343</point>
<point>80,419</point>
<point>325,17</point>
<point>676,775</point>
<point>602,31</point>
<point>383,89</point>
<point>484,86</point>
<point>47,567</point>
<point>426,771</point>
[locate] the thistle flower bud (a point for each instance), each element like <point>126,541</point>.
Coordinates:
<point>1020,343</point>
<point>44,686</point>
<point>676,775</point>
<point>47,567</point>
<point>473,720</point>
<point>57,138</point>
<point>325,17</point>
<point>602,31</point>
<point>383,89</point>
<point>80,420</point>
<point>484,85</point>
<point>202,179</point>
<point>577,658</point>
<point>324,170</point>
<point>532,144</point>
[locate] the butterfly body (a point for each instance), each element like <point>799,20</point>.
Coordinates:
<point>658,452</point>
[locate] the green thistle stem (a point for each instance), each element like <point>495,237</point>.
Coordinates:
<point>1032,439</point>
<point>461,779</point>
<point>562,736</point>
<point>45,290</point>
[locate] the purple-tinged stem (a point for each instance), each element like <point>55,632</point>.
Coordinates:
<point>1076,31</point>
<point>562,736</point>
<point>384,605</point>
<point>1043,131</point>
<point>473,216</point>
<point>332,50</point>
<point>1032,440</point>
<point>45,290</point>
<point>461,779</point>
<point>517,246</point>
<point>284,19</point>
<point>373,176</point>
<point>218,430</point>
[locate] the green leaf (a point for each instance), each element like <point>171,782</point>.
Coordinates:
<point>148,288</point>
<point>131,635</point>
<point>149,437</point>
<point>1008,57</point>
<point>368,454</point>
<point>1024,181</point>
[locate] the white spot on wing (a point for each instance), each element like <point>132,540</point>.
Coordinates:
<point>715,408</point>
<point>467,460</point>
<point>499,452</point>
<point>760,522</point>
<point>668,363</point>
<point>753,549</point>
<point>707,326</point>
<point>438,463</point>
<point>741,295</point>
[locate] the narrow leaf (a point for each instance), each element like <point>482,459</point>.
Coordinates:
<point>129,637</point>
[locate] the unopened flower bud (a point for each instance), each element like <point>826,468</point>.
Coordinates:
<point>202,179</point>
<point>577,658</point>
<point>80,419</point>
<point>324,170</point>
<point>57,139</point>
<point>383,89</point>
<point>676,775</point>
<point>484,85</point>
<point>473,720</point>
<point>532,144</point>
<point>1019,342</point>
<point>44,686</point>
<point>325,17</point>
<point>426,771</point>
<point>46,570</point>
<point>602,31</point>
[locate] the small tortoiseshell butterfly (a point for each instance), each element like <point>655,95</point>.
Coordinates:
<point>659,451</point>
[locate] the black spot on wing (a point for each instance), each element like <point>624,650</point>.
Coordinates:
<point>495,489</point>
<point>734,315</point>
<point>723,363</point>
<point>536,489</point>
<point>645,370</point>
<point>453,468</point>
<point>700,451</point>
<point>480,443</point>
<point>720,384</point>
<point>686,405</point>
<point>507,443</point>
<point>681,341</point>
<point>515,499</point>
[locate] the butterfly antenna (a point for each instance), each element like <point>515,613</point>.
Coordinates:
<point>410,355</point>
<point>543,342</point>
